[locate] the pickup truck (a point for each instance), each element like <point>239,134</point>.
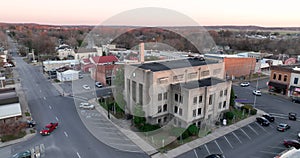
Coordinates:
<point>49,128</point>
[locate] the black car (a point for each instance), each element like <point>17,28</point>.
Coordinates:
<point>263,121</point>
<point>31,123</point>
<point>292,116</point>
<point>269,117</point>
<point>215,156</point>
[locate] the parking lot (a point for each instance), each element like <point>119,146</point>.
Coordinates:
<point>252,141</point>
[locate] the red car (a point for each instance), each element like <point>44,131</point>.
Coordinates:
<point>49,128</point>
<point>291,143</point>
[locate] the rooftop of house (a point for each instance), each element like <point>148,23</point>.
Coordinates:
<point>199,83</point>
<point>105,59</point>
<point>87,50</point>
<point>174,64</point>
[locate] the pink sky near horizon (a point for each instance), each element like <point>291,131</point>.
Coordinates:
<point>268,13</point>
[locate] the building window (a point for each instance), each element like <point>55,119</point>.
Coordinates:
<point>199,111</point>
<point>176,97</point>
<point>159,96</point>
<point>165,95</point>
<point>165,107</point>
<point>224,104</point>
<point>194,113</point>
<point>178,78</point>
<point>205,73</point>
<point>274,76</point>
<point>210,99</point>
<point>225,92</point>
<point>199,124</point>
<point>192,75</point>
<point>221,93</point>
<point>165,119</point>
<point>181,99</point>
<point>158,121</point>
<point>220,105</point>
<point>200,99</point>
<point>141,94</point>
<point>134,91</point>
<point>195,100</point>
<point>296,80</point>
<point>159,109</point>
<point>175,109</point>
<point>180,111</point>
<point>285,78</point>
<point>279,77</point>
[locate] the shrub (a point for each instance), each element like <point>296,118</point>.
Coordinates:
<point>184,135</point>
<point>229,115</point>
<point>27,114</point>
<point>247,108</point>
<point>253,112</point>
<point>148,127</point>
<point>193,130</point>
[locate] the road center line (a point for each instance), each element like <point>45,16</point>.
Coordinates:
<point>228,142</point>
<point>44,98</point>
<point>206,149</point>
<point>50,107</point>
<point>78,155</point>
<point>196,153</point>
<point>66,134</point>
<point>253,130</point>
<point>218,146</point>
<point>236,137</point>
<point>56,119</point>
<point>245,133</point>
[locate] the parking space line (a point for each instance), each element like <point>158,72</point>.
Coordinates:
<point>56,118</point>
<point>207,149</point>
<point>228,142</point>
<point>78,155</point>
<point>276,147</point>
<point>44,98</point>
<point>50,107</point>
<point>66,134</point>
<point>236,137</point>
<point>268,152</point>
<point>271,126</point>
<point>253,130</point>
<point>196,153</point>
<point>245,133</point>
<point>260,126</point>
<point>218,146</point>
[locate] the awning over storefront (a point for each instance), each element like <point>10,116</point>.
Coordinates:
<point>295,89</point>
<point>277,85</point>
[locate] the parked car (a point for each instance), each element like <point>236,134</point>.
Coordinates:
<point>299,135</point>
<point>98,84</point>
<point>30,123</point>
<point>256,92</point>
<point>85,105</point>
<point>291,143</point>
<point>215,156</point>
<point>292,116</point>
<point>86,87</point>
<point>49,128</point>
<point>23,154</point>
<point>283,127</point>
<point>269,117</point>
<point>245,84</point>
<point>263,121</point>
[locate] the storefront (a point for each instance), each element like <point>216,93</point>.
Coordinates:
<point>278,87</point>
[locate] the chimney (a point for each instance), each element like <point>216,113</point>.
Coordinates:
<point>141,50</point>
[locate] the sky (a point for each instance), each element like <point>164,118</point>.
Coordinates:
<point>267,13</point>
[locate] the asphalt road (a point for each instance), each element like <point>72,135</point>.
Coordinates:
<point>254,140</point>
<point>71,139</point>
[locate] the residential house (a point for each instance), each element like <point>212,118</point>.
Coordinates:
<point>82,53</point>
<point>183,92</point>
<point>64,52</point>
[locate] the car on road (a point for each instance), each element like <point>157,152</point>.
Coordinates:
<point>283,127</point>
<point>98,84</point>
<point>291,143</point>
<point>85,105</point>
<point>292,116</point>
<point>86,87</point>
<point>263,121</point>
<point>23,154</point>
<point>215,156</point>
<point>256,92</point>
<point>49,128</point>
<point>269,117</point>
<point>245,84</point>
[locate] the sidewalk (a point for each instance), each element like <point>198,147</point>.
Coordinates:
<point>26,137</point>
<point>214,135</point>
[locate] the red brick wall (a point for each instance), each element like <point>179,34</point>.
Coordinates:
<point>239,67</point>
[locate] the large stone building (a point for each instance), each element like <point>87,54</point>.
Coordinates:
<point>181,92</point>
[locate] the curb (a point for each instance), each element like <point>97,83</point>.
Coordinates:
<point>25,138</point>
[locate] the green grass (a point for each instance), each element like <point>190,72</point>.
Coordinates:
<point>6,138</point>
<point>27,114</point>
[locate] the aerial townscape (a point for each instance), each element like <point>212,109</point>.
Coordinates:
<point>149,81</point>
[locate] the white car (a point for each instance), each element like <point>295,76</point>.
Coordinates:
<point>85,105</point>
<point>245,84</point>
<point>86,87</point>
<point>256,92</point>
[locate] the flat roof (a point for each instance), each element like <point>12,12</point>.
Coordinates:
<point>200,83</point>
<point>173,64</point>
<point>10,110</point>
